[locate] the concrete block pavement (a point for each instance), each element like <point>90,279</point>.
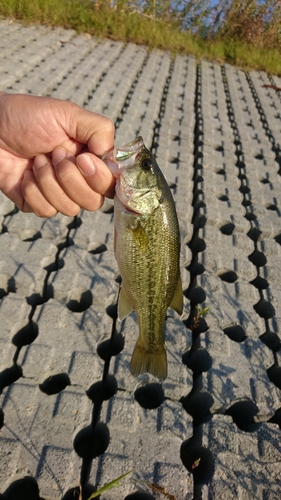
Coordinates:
<point>72,412</point>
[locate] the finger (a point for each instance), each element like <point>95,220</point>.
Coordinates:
<point>97,174</point>
<point>73,182</point>
<point>89,128</point>
<point>34,201</point>
<point>51,188</point>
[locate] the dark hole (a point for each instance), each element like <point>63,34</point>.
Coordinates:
<point>223,198</point>
<point>228,276</point>
<point>242,177</point>
<point>259,156</point>
<point>9,376</point>
<point>55,383</point>
<point>260,283</point>
<point>278,238</point>
<point>198,245</point>
<point>25,335</point>
<point>111,310</point>
<point>196,325</point>
<point>111,347</point>
<point>199,220</point>
<point>65,243</point>
<point>90,443</point>
<point>54,266</point>
<point>198,460</point>
<point>220,172</point>
<point>25,488</point>
<point>246,203</point>
<point>198,180</point>
<point>243,413</point>
<point>276,419</point>
<point>235,332</point>
<point>196,296</point>
<point>198,406</point>
<point>250,216</point>
<point>34,236</point>
<point>257,258</point>
<point>96,248</point>
<point>244,189</point>
<point>199,204</point>
<point>107,208</point>
<point>73,493</point>
<point>254,234</point>
<point>271,340</point>
<point>139,495</point>
<point>150,396</point>
<point>241,164</point>
<point>272,207</point>
<point>172,185</point>
<point>1,418</point>
<point>265,181</point>
<point>227,229</point>
<point>199,361</point>
<point>103,390</point>
<point>80,301</point>
<point>174,160</point>
<point>195,269</point>
<point>274,375</point>
<point>75,223</point>
<point>118,279</point>
<point>7,285</point>
<point>264,309</point>
<point>36,299</point>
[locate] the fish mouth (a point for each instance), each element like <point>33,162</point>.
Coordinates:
<point>122,156</point>
<point>129,210</point>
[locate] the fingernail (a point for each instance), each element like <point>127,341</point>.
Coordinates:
<point>40,161</point>
<point>86,165</point>
<point>58,155</point>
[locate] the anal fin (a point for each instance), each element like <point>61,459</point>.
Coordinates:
<point>124,305</point>
<point>177,300</point>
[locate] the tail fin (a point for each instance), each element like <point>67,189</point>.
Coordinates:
<point>151,360</point>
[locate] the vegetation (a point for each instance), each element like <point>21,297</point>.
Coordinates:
<point>245,33</point>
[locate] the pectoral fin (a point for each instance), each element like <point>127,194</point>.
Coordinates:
<point>177,300</point>
<point>124,305</point>
<point>140,237</point>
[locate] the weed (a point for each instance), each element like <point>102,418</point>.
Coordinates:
<point>109,486</point>
<point>242,33</point>
<point>199,314</point>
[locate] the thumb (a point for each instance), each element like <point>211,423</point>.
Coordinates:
<point>92,129</point>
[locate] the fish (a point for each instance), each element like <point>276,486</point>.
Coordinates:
<point>147,250</point>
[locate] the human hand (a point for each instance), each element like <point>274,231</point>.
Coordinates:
<point>49,155</point>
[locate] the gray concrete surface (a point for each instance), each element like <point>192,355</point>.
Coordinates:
<point>214,431</point>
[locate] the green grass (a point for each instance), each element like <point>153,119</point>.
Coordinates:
<point>128,25</point>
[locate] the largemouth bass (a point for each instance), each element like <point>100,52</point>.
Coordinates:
<point>147,248</point>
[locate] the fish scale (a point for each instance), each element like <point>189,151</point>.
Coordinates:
<point>147,246</point>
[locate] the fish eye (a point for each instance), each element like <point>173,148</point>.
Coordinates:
<point>146,164</point>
